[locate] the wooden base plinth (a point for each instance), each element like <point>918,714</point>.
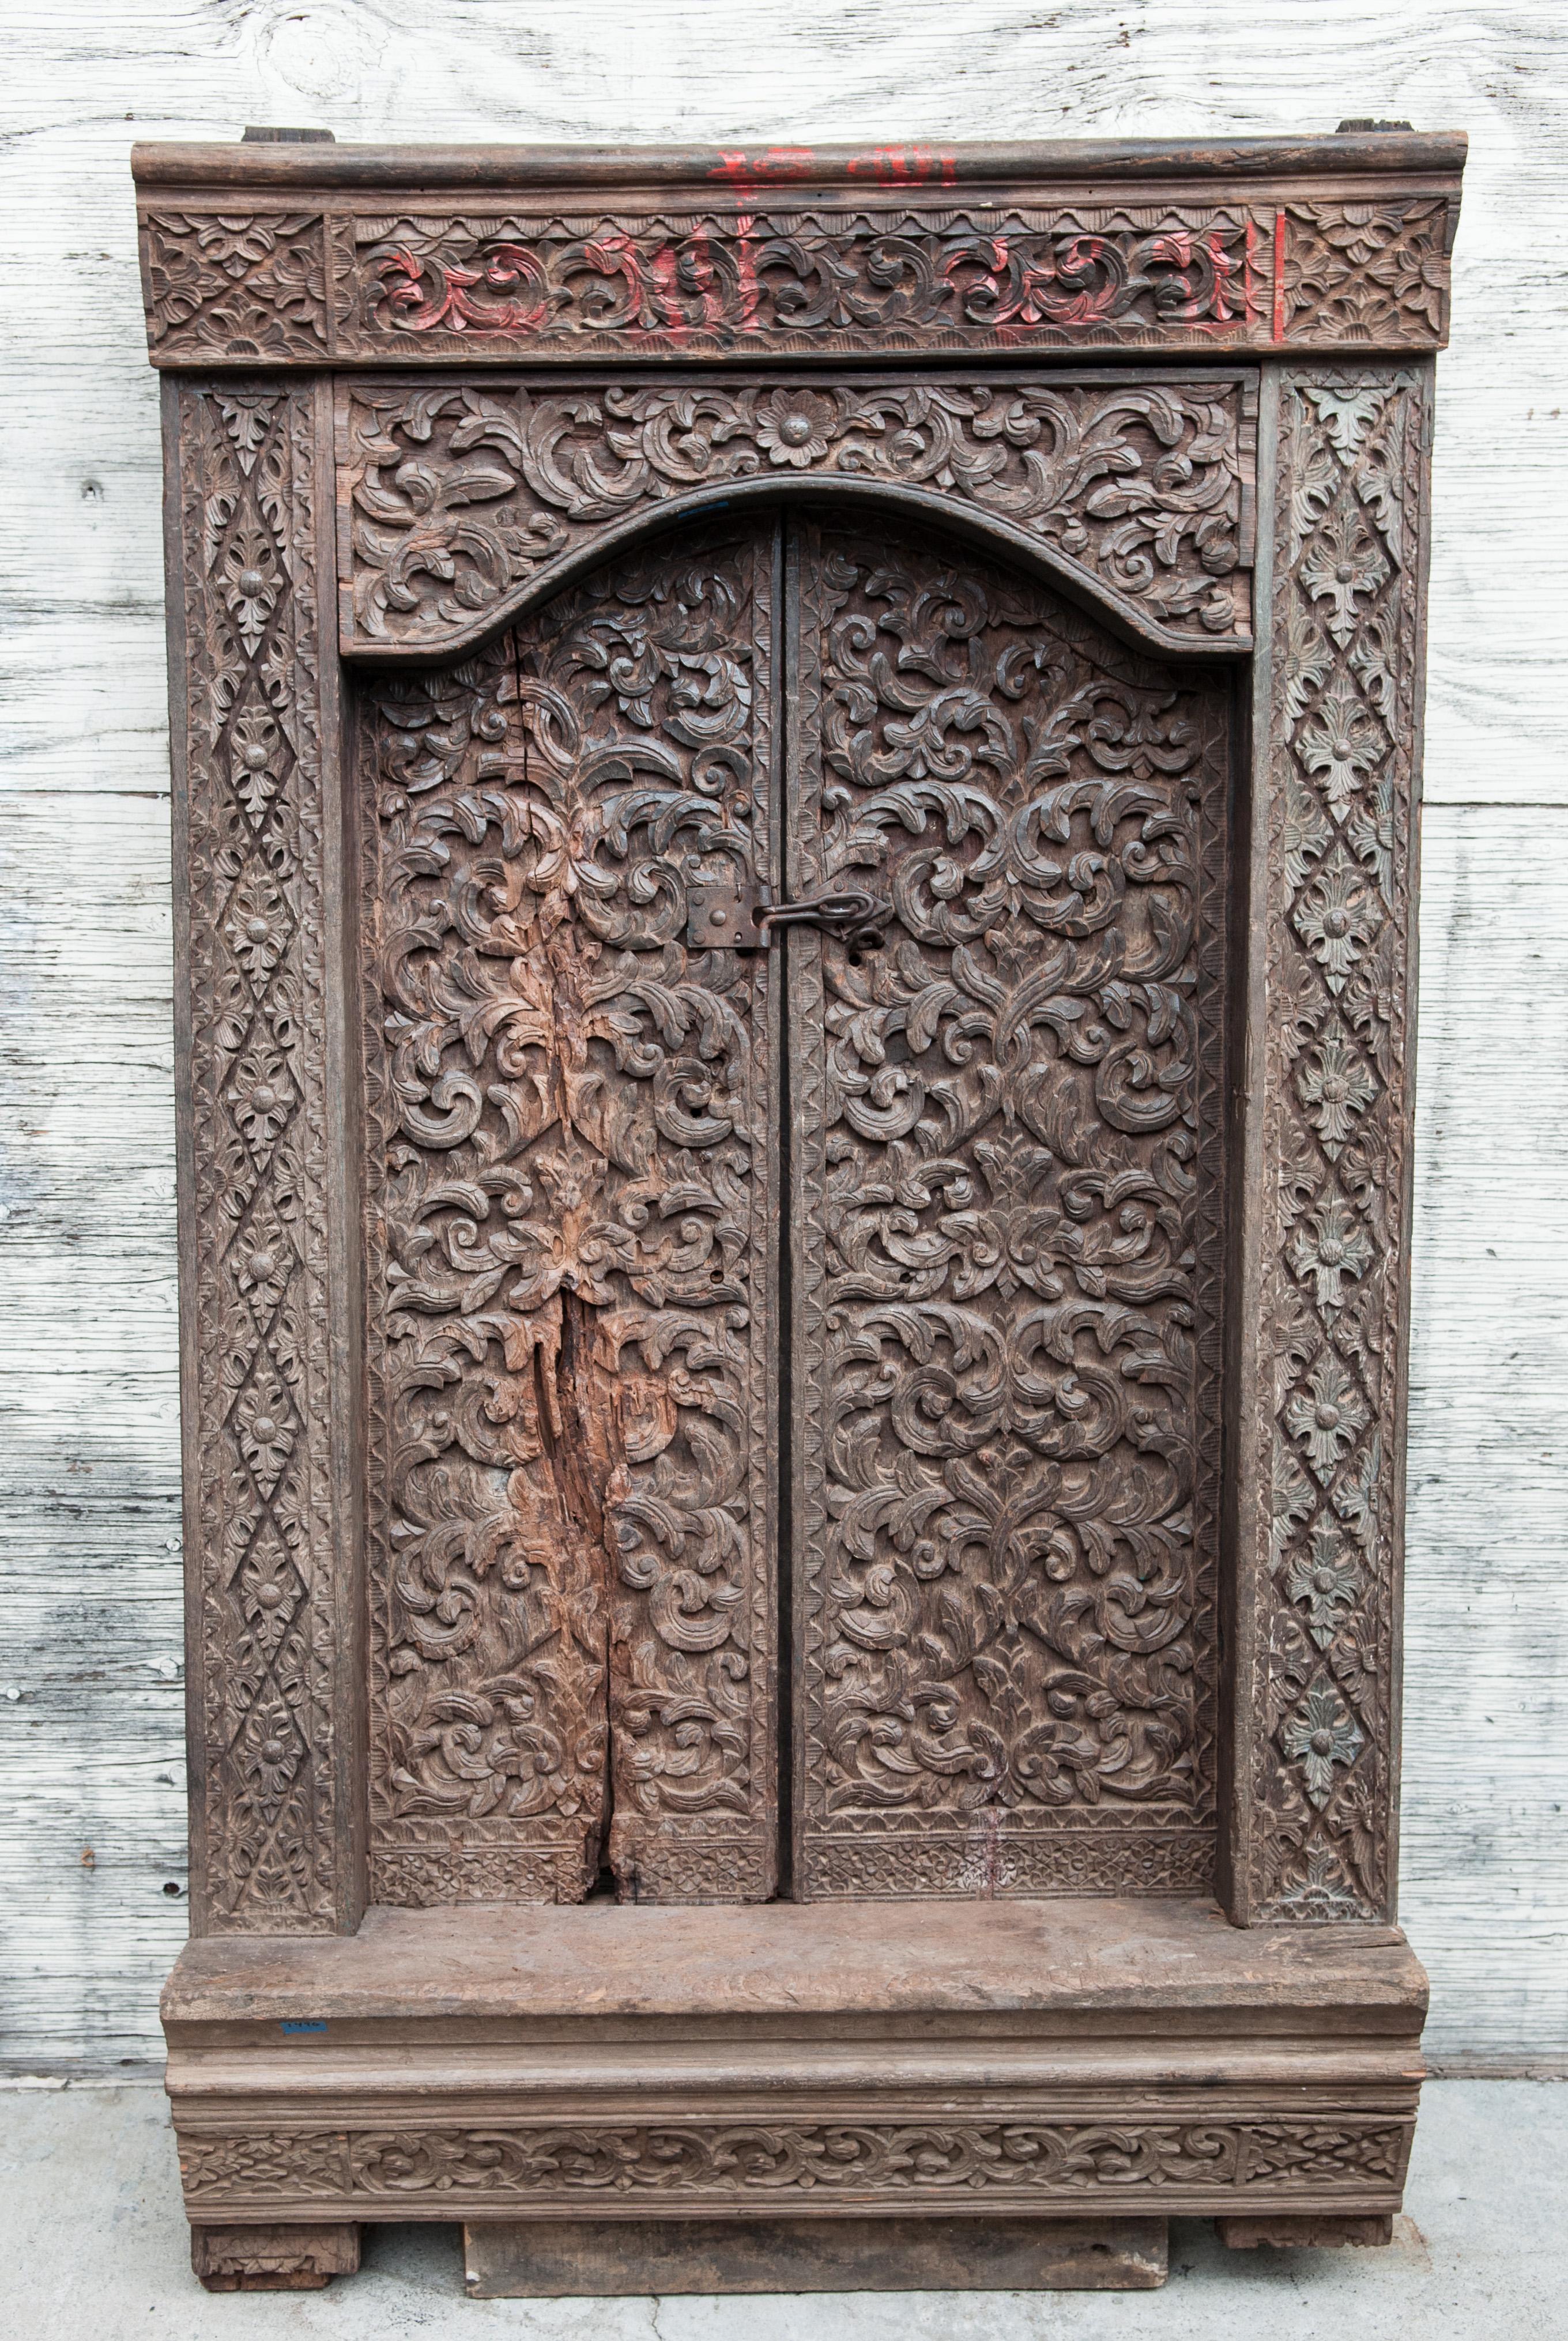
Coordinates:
<point>548,2259</point>
<point>652,2066</point>
<point>274,2258</point>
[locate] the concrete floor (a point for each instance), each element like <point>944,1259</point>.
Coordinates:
<point>93,2247</point>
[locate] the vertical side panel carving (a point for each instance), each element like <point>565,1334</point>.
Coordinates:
<point>1323,1540</point>
<point>270,1828</point>
<point>1008,1216</point>
<point>570,1251</point>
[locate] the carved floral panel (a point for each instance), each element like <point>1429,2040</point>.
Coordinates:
<point>571,1232</point>
<point>452,499</point>
<point>1008,1217</point>
<point>1346,676</point>
<point>750,278</point>
<point>948,2162</point>
<point>249,284</point>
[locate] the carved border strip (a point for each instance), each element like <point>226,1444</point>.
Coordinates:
<point>1328,1430</point>
<point>337,281</point>
<point>457,503</point>
<point>264,1553</point>
<point>1173,2158</point>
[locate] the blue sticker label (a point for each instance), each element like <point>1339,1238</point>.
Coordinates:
<point>316,2025</point>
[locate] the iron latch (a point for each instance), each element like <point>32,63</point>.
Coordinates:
<point>850,912</point>
<point>729,911</point>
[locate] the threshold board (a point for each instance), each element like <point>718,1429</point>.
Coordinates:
<point>549,2259</point>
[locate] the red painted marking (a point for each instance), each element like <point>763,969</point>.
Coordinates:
<point>890,166</point>
<point>905,166</point>
<point>1279,277</point>
<point>744,170</point>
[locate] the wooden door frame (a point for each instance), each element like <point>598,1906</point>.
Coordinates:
<point>349,336</point>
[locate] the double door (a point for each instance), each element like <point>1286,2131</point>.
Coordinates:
<point>793,964</point>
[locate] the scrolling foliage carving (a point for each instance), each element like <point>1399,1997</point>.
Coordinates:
<point>981,278</point>
<point>454,496</point>
<point>264,1529</point>
<point>1008,1225</point>
<point>1347,670</point>
<point>1020,2159</point>
<point>366,282</point>
<point>570,1183</point>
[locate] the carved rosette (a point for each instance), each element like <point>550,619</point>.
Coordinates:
<point>1336,1135</point>
<point>457,501</point>
<point>1169,2162</point>
<point>260,1492</point>
<point>353,285</point>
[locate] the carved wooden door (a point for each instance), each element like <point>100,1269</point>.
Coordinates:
<point>794,1367</point>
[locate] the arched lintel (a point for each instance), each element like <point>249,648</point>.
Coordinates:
<point>987,531</point>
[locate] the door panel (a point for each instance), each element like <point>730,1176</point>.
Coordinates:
<point>571,1250</point>
<point>1006,1212</point>
<point>990,1358</point>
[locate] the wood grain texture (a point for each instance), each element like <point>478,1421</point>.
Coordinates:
<point>89,1579</point>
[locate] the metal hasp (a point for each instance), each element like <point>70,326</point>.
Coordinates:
<point>729,911</point>
<point>723,906</point>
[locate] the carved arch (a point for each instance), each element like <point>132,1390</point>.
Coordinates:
<point>460,509</point>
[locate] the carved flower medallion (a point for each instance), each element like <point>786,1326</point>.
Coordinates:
<point>1329,1583</point>
<point>1329,1421</point>
<point>794,427</point>
<point>1322,1733</point>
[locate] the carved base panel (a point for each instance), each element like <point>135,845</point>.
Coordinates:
<point>550,2259</point>
<point>612,2062</point>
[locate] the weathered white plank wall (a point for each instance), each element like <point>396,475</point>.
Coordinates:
<point>89,1596</point>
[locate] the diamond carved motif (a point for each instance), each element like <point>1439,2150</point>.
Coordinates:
<point>1346,661</point>
<point>258,1067</point>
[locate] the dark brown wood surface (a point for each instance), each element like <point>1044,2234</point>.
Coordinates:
<point>1071,161</point>
<point>572,1199</point>
<point>311,255</point>
<point>1061,1959</point>
<point>882,1560</point>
